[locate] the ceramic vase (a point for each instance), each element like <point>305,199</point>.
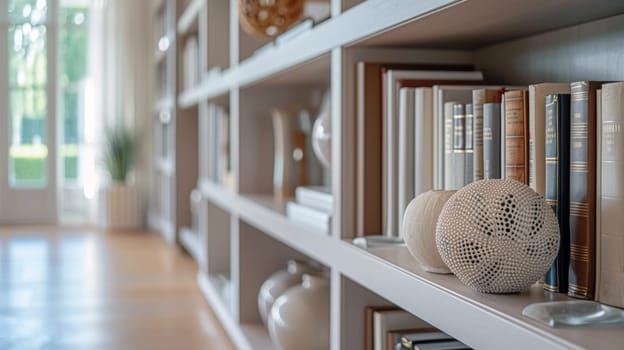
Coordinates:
<point>299,319</point>
<point>278,283</point>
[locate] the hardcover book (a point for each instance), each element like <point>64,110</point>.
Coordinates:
<point>449,145</point>
<point>409,338</point>
<point>581,274</point>
<point>598,197</point>
<point>491,141</point>
<point>459,147</point>
<point>384,321</point>
<point>612,198</point>
<point>423,134</point>
<point>537,133</point>
<point>516,136</point>
<point>468,144</point>
<point>315,197</point>
<point>480,97</point>
<point>557,184</point>
<point>316,219</point>
<point>394,338</point>
<point>407,133</point>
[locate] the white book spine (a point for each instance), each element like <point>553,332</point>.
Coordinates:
<point>449,165</point>
<point>423,141</point>
<point>502,137</point>
<point>612,198</point>
<point>315,197</point>
<point>315,219</point>
<point>405,179</point>
<point>598,189</point>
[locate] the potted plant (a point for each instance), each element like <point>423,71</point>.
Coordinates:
<point>120,200</point>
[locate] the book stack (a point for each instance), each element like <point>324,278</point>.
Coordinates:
<point>389,328</point>
<point>313,207</point>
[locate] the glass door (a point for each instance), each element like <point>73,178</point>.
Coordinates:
<point>27,112</point>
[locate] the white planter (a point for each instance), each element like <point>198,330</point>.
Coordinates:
<point>120,207</point>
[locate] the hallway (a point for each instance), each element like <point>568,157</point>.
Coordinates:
<point>83,289</point>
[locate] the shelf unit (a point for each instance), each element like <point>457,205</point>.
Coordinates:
<point>174,169</point>
<point>244,234</point>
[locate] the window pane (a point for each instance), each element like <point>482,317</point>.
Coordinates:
<point>31,11</point>
<point>73,23</point>
<point>27,103</point>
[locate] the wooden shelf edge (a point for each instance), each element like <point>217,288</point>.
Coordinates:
<point>189,15</point>
<point>243,336</point>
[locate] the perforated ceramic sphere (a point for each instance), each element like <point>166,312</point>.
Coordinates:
<point>497,236</point>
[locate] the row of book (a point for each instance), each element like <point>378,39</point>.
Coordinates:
<point>583,152</point>
<point>423,127</point>
<point>214,145</point>
<point>390,328</point>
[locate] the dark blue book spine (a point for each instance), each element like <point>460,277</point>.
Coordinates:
<point>558,184</point>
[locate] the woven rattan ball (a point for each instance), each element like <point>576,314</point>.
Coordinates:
<point>497,236</point>
<point>268,18</point>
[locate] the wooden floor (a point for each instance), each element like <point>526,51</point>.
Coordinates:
<point>82,289</point>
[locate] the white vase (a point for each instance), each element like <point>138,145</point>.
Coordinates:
<point>299,318</point>
<point>278,283</point>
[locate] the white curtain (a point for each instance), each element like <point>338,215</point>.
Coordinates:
<point>118,86</point>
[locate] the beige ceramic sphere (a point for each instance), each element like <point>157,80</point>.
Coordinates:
<point>497,236</point>
<point>419,229</point>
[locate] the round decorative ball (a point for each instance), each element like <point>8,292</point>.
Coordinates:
<point>497,236</point>
<point>268,18</point>
<point>419,229</point>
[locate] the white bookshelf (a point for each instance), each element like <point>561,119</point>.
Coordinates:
<point>245,233</point>
<point>174,147</point>
<point>190,15</point>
